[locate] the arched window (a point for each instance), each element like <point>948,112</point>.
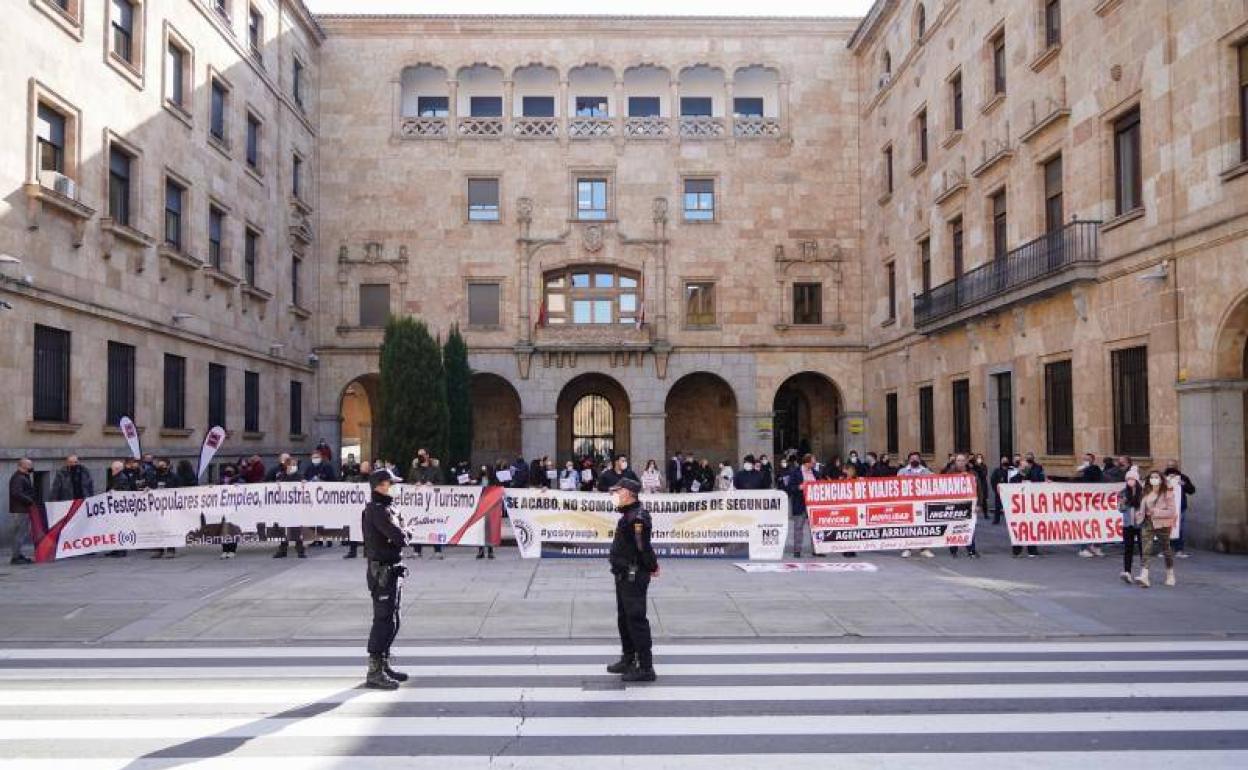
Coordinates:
<point>592,295</point>
<point>920,22</point>
<point>593,427</point>
<point>886,63</point>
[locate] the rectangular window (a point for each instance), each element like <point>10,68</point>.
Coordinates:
<point>216,116</point>
<point>216,225</point>
<point>1130,385</point>
<point>1242,55</point>
<point>374,304</point>
<point>483,304</point>
<point>888,169</point>
<point>925,264</point>
<point>1127,184</point>
<point>808,303</point>
<point>961,392</point>
<point>699,199</point>
<point>253,142</point>
<point>485,106</point>
<point>643,106</point>
<point>251,402</point>
<point>296,82</point>
<point>174,195</point>
<point>921,126</point>
<point>50,139</point>
<point>483,200</point>
<point>432,106</point>
<point>892,440</point>
<point>591,199</point>
<point>120,164</point>
<point>955,91</point>
<point>999,224</point>
<point>123,30</point>
<point>695,106</point>
<point>296,408</point>
<point>216,395</point>
<point>591,106</point>
<point>891,270</point>
<point>927,421</point>
<point>296,175</point>
<point>296,267</point>
<point>700,303</point>
<point>255,31</point>
<point>747,106</point>
<point>175,392</point>
<point>998,63</point>
<point>1053,212</point>
<point>1052,23</point>
<point>223,8</point>
<point>955,241</point>
<point>1059,411</point>
<point>538,106</point>
<point>175,75</point>
<point>120,396</point>
<point>51,374</point>
<point>251,245</point>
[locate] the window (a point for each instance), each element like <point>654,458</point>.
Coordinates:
<point>483,200</point>
<point>1242,55</point>
<point>216,395</point>
<point>998,63</point>
<point>891,270</point>
<point>223,8</point>
<point>51,374</point>
<point>253,142</point>
<point>296,175</point>
<point>1059,411</point>
<point>174,196</point>
<point>591,198</point>
<point>251,402</point>
<point>251,245</point>
<point>175,392</point>
<point>999,224</point>
<point>747,106</point>
<point>432,106</point>
<point>374,304</point>
<point>695,106</point>
<point>1053,195</point>
<point>538,106</point>
<point>699,200</point>
<point>1052,23</point>
<point>925,264</point>
<point>485,106</point>
<point>296,82</point>
<point>216,226</point>
<point>921,126</point>
<point>955,93</point>
<point>591,106</point>
<point>888,170</point>
<point>296,408</point>
<point>891,438</point>
<point>808,303</point>
<point>120,164</point>
<point>598,295</point>
<point>216,117</point>
<point>886,64</point>
<point>593,427</point>
<point>50,139</point>
<point>123,31</point>
<point>1127,191</point>
<point>920,28</point>
<point>1130,373</point>
<point>296,267</point>
<point>176,72</point>
<point>955,240</point>
<point>255,32</point>
<point>927,421</point>
<point>700,303</point>
<point>643,106</point>
<point>961,392</point>
<point>483,304</point>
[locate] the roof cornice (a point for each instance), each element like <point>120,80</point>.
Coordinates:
<point>339,23</point>
<point>871,22</point>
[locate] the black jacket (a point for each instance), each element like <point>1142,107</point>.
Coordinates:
<point>322,471</point>
<point>383,540</point>
<point>610,476</point>
<point>631,545</point>
<point>754,479</point>
<point>21,492</point>
<point>1091,474</point>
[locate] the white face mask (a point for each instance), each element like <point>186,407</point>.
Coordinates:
<point>748,466</point>
<point>316,461</point>
<point>1154,481</point>
<point>292,468</point>
<point>617,500</point>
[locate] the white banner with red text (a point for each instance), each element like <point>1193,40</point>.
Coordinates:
<point>731,525</point>
<point>245,513</point>
<point>891,513</point>
<point>1050,513</point>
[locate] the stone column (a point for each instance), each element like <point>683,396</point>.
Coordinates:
<point>328,427</point>
<point>452,109</point>
<point>509,98</point>
<point>674,100</point>
<point>562,110</point>
<point>783,112</point>
<point>729,120</point>
<point>754,434</point>
<point>850,422</point>
<point>1211,432</point>
<point>396,106</point>
<point>537,434</point>
<point>647,437</point>
<point>619,111</point>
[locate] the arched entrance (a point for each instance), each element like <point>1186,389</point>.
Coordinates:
<point>592,417</point>
<point>807,409</point>
<point>495,419</point>
<point>356,408</point>
<point>701,418</point>
<point>1225,452</point>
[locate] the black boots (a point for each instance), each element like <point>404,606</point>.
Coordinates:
<point>623,665</point>
<point>377,678</point>
<point>397,676</point>
<point>643,672</point>
<point>351,554</point>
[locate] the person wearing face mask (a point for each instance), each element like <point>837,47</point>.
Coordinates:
<point>1178,479</point>
<point>651,479</point>
<point>1129,500</point>
<point>1159,515</point>
<point>290,473</point>
<point>569,477</point>
<point>383,550</point>
<point>72,482</point>
<point>618,470</point>
<point>750,477</point>
<point>764,467</point>
<point>1002,474</point>
<point>915,467</point>
<point>633,564</point>
<point>283,463</point>
<point>859,465</point>
<point>798,475</point>
<point>160,477</point>
<point>980,469</point>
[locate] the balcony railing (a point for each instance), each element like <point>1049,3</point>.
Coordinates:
<point>701,127</point>
<point>647,128</point>
<point>535,128</point>
<point>748,127</point>
<point>1053,254</point>
<point>590,128</point>
<point>423,128</point>
<point>481,127</point>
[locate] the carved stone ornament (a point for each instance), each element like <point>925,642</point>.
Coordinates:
<point>342,253</point>
<point>524,209</point>
<point>372,251</point>
<point>659,208</point>
<point>592,238</point>
<point>810,250</point>
<point>403,253</point>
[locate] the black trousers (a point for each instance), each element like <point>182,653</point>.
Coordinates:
<point>385,585</point>
<point>630,615</point>
<point>1132,543</point>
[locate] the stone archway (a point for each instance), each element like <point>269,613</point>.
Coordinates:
<point>807,416</point>
<point>495,419</point>
<point>701,418</point>
<point>592,414</point>
<point>357,406</point>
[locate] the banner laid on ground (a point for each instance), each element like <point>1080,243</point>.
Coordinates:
<point>1049,513</point>
<point>807,566</point>
<point>736,524</point>
<point>891,513</point>
<point>214,515</point>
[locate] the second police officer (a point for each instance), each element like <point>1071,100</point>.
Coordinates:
<point>633,563</point>
<point>383,550</point>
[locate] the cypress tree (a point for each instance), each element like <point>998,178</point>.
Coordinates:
<point>412,411</point>
<point>458,398</point>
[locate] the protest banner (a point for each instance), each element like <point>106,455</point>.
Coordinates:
<point>131,434</point>
<point>208,450</point>
<point>891,513</point>
<point>1048,513</point>
<point>735,524</point>
<point>216,515</point>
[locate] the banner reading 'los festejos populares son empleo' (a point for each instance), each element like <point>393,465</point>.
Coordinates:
<point>891,513</point>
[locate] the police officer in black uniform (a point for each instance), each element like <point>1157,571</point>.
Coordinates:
<point>633,563</point>
<point>383,550</point>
